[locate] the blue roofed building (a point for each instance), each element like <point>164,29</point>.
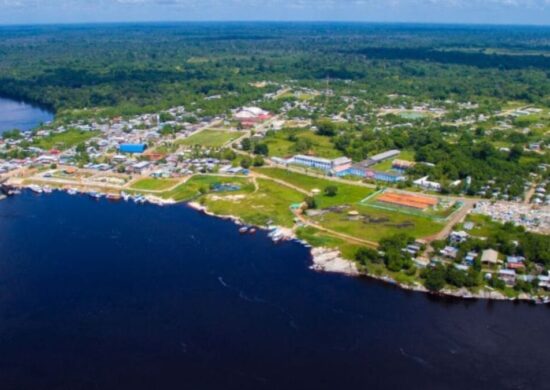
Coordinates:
<point>132,148</point>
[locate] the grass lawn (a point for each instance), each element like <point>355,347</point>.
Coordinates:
<point>270,203</point>
<point>64,140</point>
<point>385,166</point>
<point>279,144</point>
<point>211,138</point>
<point>376,224</point>
<point>192,187</point>
<point>317,238</point>
<point>151,184</point>
<point>347,193</point>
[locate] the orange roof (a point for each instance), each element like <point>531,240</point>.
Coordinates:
<point>409,200</point>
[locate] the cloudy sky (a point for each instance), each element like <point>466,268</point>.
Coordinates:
<point>433,11</point>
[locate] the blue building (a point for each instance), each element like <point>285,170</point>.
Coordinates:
<point>132,148</point>
<point>367,173</point>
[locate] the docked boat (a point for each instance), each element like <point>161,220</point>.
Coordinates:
<point>243,230</point>
<point>252,230</point>
<point>95,195</point>
<point>47,190</point>
<point>36,189</point>
<point>72,191</point>
<point>113,197</point>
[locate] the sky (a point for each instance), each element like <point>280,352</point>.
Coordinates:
<point>424,11</point>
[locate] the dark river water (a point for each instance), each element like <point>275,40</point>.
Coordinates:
<point>99,295</point>
<point>22,116</point>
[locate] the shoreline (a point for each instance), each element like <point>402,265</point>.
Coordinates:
<point>330,260</point>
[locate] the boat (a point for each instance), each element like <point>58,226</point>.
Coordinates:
<point>72,191</point>
<point>47,190</point>
<point>36,189</point>
<point>95,195</point>
<point>113,196</point>
<point>125,196</point>
<point>252,231</point>
<point>243,230</point>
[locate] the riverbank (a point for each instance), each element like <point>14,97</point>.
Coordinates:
<point>331,260</point>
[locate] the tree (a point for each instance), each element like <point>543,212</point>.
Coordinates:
<point>435,278</point>
<point>246,144</point>
<point>310,202</point>
<point>326,127</point>
<point>246,162</point>
<point>261,149</point>
<point>365,255</point>
<point>259,161</point>
<point>331,190</point>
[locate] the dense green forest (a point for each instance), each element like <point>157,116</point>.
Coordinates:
<point>131,68</point>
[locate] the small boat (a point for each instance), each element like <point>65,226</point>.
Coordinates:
<point>95,195</point>
<point>252,231</point>
<point>125,196</point>
<point>243,230</point>
<point>47,190</point>
<point>36,189</point>
<point>72,191</point>
<point>113,197</point>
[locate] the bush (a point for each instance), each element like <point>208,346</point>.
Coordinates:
<point>310,202</point>
<point>331,191</point>
<point>365,255</point>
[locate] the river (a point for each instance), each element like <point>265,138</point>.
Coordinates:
<point>22,116</point>
<point>101,295</point>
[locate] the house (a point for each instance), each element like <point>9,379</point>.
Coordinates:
<point>402,165</point>
<point>508,276</point>
<point>425,183</point>
<point>140,166</point>
<point>458,237</point>
<point>450,251</point>
<point>470,257</point>
<point>489,256</point>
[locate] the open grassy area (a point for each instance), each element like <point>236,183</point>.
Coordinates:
<point>211,138</point>
<point>193,186</point>
<point>317,238</point>
<point>373,224</point>
<point>269,204</point>
<point>64,140</point>
<point>280,145</point>
<point>347,193</point>
<point>151,184</point>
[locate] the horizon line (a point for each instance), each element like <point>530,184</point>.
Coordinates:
<point>266,21</point>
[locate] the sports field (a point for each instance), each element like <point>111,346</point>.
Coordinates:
<point>211,138</point>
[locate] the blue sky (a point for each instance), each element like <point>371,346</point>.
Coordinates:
<point>432,11</point>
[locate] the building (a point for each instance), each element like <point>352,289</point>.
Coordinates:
<point>508,276</point>
<point>402,165</point>
<point>360,170</point>
<point>377,158</point>
<point>489,256</point>
<point>337,165</point>
<point>132,148</point>
<point>425,183</point>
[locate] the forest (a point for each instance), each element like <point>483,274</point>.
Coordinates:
<point>129,68</point>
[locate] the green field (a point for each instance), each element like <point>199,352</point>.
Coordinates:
<point>151,184</point>
<point>193,186</point>
<point>347,193</point>
<point>211,138</point>
<point>270,204</point>
<point>373,224</point>
<point>64,140</point>
<point>279,144</point>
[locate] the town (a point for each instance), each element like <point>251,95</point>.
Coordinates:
<point>288,171</point>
